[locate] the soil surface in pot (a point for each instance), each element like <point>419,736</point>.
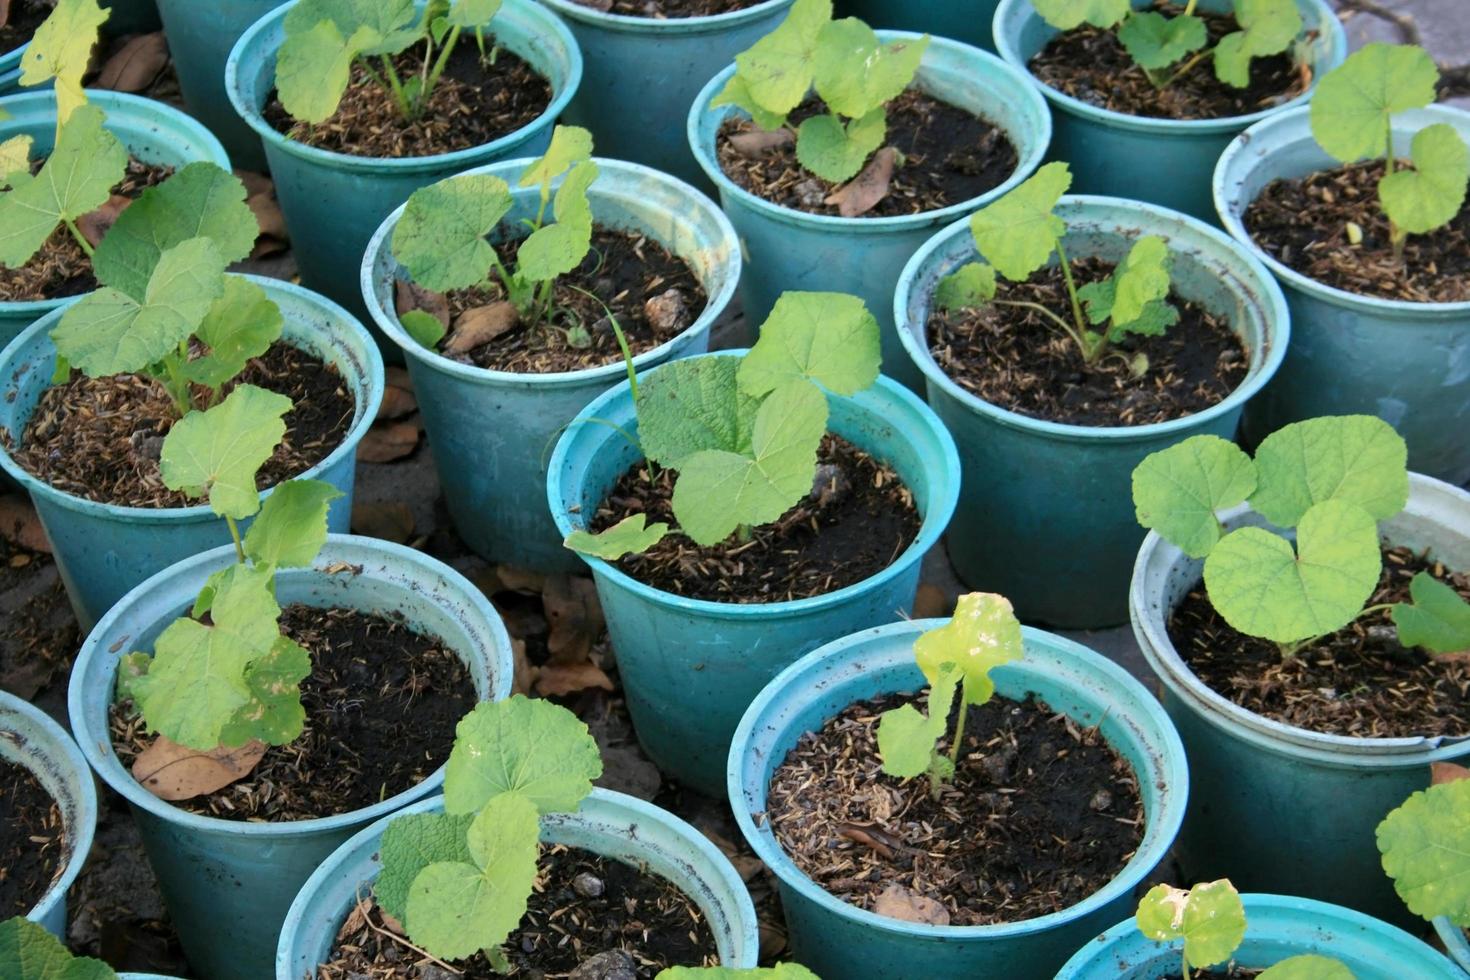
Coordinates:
<point>1041,814</point>
<point>474,103</point>
<point>381,705</point>
<point>33,849</point>
<point>100,438</point>
<point>950,156</point>
<point>1358,681</point>
<point>857,520</point>
<point>1303,224</point>
<point>1020,360</point>
<point>583,906</point>
<point>668,9</point>
<point>38,633</point>
<point>1091,65</point>
<point>25,16</point>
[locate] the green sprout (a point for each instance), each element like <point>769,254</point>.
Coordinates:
<point>60,50</point>
<point>1425,844</point>
<point>29,952</point>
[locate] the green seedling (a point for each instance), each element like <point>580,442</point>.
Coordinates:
<point>1331,479</point>
<point>1352,119</point>
<point>29,952</point>
<point>325,38</point>
<point>852,71</point>
<point>743,433</point>
<point>781,971</point>
<point>958,656</point>
<point>1425,845</point>
<point>60,50</point>
<point>458,880</point>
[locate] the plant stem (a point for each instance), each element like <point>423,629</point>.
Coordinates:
<point>959,731</point>
<point>76,233</point>
<point>396,85</point>
<point>1189,8</point>
<point>176,384</point>
<point>235,534</point>
<point>441,64</point>
<point>1289,650</point>
<point>1388,148</point>
<point>1077,317</point>
<point>743,533</point>
<point>1063,324</point>
<point>1187,66</point>
<point>1398,238</point>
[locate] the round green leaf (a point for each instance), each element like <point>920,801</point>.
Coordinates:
<point>531,748</point>
<point>1308,966</point>
<point>777,69</point>
<point>836,152</point>
<point>1067,14</point>
<point>1176,491</point>
<point>1425,845</point>
<point>1359,459</point>
<point>1354,102</point>
<point>983,634</point>
<point>1210,918</point>
<point>217,453</point>
<point>829,338</point>
<point>1430,195</point>
<point>1018,233</point>
<point>630,536</point>
<point>440,238</point>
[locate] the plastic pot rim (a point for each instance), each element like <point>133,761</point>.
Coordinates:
<point>664,27</point>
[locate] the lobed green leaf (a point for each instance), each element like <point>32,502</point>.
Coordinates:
<point>1018,233</point>
<point>425,328</point>
<point>273,712</point>
<point>1307,966</point>
<point>777,70</point>
<point>61,49</point>
<point>907,737</point>
<point>971,285</point>
<point>473,13</point>
<point>829,338</point>
<point>1359,459</point>
<point>836,152</point>
<point>29,952</point>
<point>983,634</point>
<point>570,146</point>
<point>291,527</point>
<point>1431,194</point>
<point>1210,918</point>
<point>530,748</point>
<point>1176,491</point>
<point>1354,102</point>
<point>1438,619</point>
<point>1067,14</point>
<point>410,844</point>
<point>313,67</point>
<point>1155,41</point>
<point>1425,845</point>
<point>781,971</point>
<point>1268,27</point>
<point>554,250</point>
<point>216,453</point>
<point>692,405</point>
<point>440,238</point>
<point>630,536</point>
<point>854,72</point>
<point>242,324</point>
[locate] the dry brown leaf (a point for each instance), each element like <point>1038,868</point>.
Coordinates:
<point>516,579</point>
<point>557,680</point>
<point>480,325</point>
<point>863,192</point>
<point>525,672</point>
<point>391,520</point>
<point>268,216</point>
<point>898,902</point>
<point>931,602</point>
<point>575,617</point>
<point>407,296</point>
<point>758,143</point>
<point>266,246</point>
<point>136,65</point>
<point>747,865</point>
<point>173,772</point>
<point>1446,772</point>
<point>255,182</point>
<point>4,12</point>
<point>398,398</point>
<point>390,441</point>
<point>94,224</point>
<point>20,525</point>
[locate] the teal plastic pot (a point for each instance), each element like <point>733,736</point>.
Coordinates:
<point>1283,809</point>
<point>153,132</point>
<point>836,939</point>
<point>1454,941</point>
<point>1407,363</point>
<point>492,431</point>
<point>967,21</point>
<point>786,249</point>
<point>1277,927</point>
<point>29,738</point>
<point>643,73</point>
<point>134,17</point>
<point>333,202</point>
<point>1162,161</point>
<point>200,37</point>
<point>1047,519</point>
<point>10,69</point>
<point>690,667</point>
<point>104,550</point>
<point>227,884</point>
<point>607,823</point>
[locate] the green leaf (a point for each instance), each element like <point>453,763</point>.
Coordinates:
<point>273,714</point>
<point>1155,41</point>
<point>29,952</point>
<point>737,93</point>
<point>61,48</point>
<point>557,249</point>
<point>971,285</point>
<point>983,634</point>
<point>906,736</point>
<point>392,20</point>
<point>836,152</point>
<point>15,158</point>
<point>1176,491</point>
<point>1142,278</point>
<point>1067,14</point>
<point>1262,587</point>
<point>531,748</point>
<point>291,527</point>
<point>1156,317</point>
<point>570,145</point>
<point>854,72</point>
<point>1210,918</point>
<point>829,338</point>
<point>313,67</point>
<point>777,70</point>
<point>217,452</point>
<point>692,405</point>
<point>1438,620</point>
<point>1425,845</point>
<point>440,239</point>
<point>630,536</point>
<point>781,971</point>
<point>242,324</point>
<point>1018,233</point>
<point>1307,966</point>
<point>1354,102</point>
<point>425,328</point>
<point>1355,458</point>
<point>412,843</point>
<point>473,13</point>
<point>1268,27</point>
<point>1430,195</point>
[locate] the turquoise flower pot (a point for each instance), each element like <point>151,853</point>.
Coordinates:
<point>786,249</point>
<point>228,884</point>
<point>1454,941</point>
<point>609,824</point>
<point>134,17</point>
<point>104,550</point>
<point>1161,161</point>
<point>836,939</point>
<point>967,21</point>
<point>1047,520</point>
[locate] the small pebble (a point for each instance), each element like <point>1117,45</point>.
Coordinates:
<point>1101,800</point>
<point>587,885</point>
<point>612,965</point>
<point>667,312</point>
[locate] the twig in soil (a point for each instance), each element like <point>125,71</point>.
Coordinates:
<point>366,911</point>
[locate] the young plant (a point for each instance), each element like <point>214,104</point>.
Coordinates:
<point>1425,845</point>
<point>743,433</point>
<point>1352,119</point>
<point>983,634</point>
<point>1332,479</point>
<point>60,50</point>
<point>781,971</point>
<point>29,952</point>
<point>1020,232</point>
<point>853,72</point>
<point>458,880</point>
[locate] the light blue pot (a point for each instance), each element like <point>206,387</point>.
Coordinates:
<point>643,73</point>
<point>609,824</point>
<point>1047,519</point>
<point>786,249</point>
<point>153,132</point>
<point>1454,941</point>
<point>967,21</point>
<point>103,550</point>
<point>134,17</point>
<point>492,431</point>
<point>29,738</point>
<point>1277,927</point>
<point>690,667</point>
<point>334,202</point>
<point>10,69</point>
<point>227,884</point>
<point>836,939</point>
<point>1162,161</point>
<point>1289,810</point>
<point>1407,363</point>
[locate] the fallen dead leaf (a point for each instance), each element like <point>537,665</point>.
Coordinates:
<point>1446,772</point>
<point>517,579</point>
<point>398,398</point>
<point>94,224</point>
<point>931,602</point>
<point>747,865</point>
<point>20,525</point>
<point>407,296</point>
<point>758,143</point>
<point>136,65</point>
<point>385,443</point>
<point>390,520</point>
<point>525,672</point>
<point>268,215</point>
<point>173,772</point>
<point>255,182</point>
<point>575,617</point>
<point>480,325</point>
<point>5,12</point>
<point>558,680</point>
<point>863,192</point>
<point>898,902</point>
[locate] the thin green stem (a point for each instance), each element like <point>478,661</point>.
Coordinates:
<point>235,534</point>
<point>1189,8</point>
<point>743,533</point>
<point>959,731</point>
<point>441,64</point>
<point>1289,650</point>
<point>176,383</point>
<point>1077,317</point>
<point>76,233</point>
<point>1063,324</point>
<point>1388,147</point>
<point>372,73</point>
<point>1187,67</point>
<point>395,84</point>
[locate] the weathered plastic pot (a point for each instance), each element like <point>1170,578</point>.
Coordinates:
<point>10,69</point>
<point>134,17</point>
<point>967,21</point>
<point>786,249</point>
<point>228,884</point>
<point>30,739</point>
<point>1408,363</point>
<point>1260,776</point>
<point>836,939</point>
<point>641,74</point>
<point>104,550</point>
<point>1047,519</point>
<point>333,202</point>
<point>690,667</point>
<point>152,132</point>
<point>1162,161</point>
<point>1454,941</point>
<point>607,823</point>
<point>1277,927</point>
<point>492,431</point>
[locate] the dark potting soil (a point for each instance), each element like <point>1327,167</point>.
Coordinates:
<point>381,704</point>
<point>583,905</point>
<point>38,633</point>
<point>25,17</point>
<point>668,9</point>
<point>857,520</point>
<point>33,845</point>
<point>1020,360</point>
<point>1091,65</point>
<point>950,156</point>
<point>100,438</point>
<point>1303,224</point>
<point>1358,681</point>
<point>474,103</point>
<point>1041,814</point>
